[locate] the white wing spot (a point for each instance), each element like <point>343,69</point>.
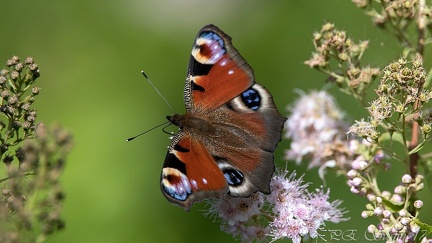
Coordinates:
<point>193,184</point>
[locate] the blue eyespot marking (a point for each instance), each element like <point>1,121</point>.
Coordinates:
<point>251,99</point>
<point>233,177</point>
<point>176,185</point>
<point>213,37</point>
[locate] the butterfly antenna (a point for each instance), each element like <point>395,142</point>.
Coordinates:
<point>151,129</point>
<point>154,87</point>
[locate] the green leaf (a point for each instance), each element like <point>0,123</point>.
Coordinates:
<point>416,149</point>
<point>392,206</point>
<point>389,138</point>
<point>427,168</point>
<point>425,228</point>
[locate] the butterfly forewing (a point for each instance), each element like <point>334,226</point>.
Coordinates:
<point>217,73</point>
<point>184,179</point>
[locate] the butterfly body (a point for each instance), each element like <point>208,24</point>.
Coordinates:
<point>229,131</point>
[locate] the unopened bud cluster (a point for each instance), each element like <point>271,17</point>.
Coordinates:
<point>403,78</point>
<point>398,127</point>
<point>385,12</point>
<point>34,157</point>
<point>338,56</point>
<point>16,98</point>
<point>401,93</point>
<point>394,223</point>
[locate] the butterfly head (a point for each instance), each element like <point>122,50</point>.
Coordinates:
<point>176,119</point>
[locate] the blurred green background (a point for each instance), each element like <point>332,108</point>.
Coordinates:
<point>90,54</point>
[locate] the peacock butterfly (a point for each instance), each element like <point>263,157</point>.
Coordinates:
<point>229,132</point>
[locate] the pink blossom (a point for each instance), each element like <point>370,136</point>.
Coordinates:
<point>289,211</point>
<point>315,123</point>
<point>238,209</point>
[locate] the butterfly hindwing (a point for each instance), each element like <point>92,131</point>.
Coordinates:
<point>254,131</point>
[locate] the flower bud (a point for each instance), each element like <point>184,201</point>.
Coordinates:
<point>400,189</point>
<point>29,60</point>
<point>403,213</point>
<point>386,194</point>
<point>372,229</point>
<point>387,213</point>
<point>354,190</point>
<point>405,220</point>
<point>420,186</point>
<point>398,226</point>
<point>351,174</point>
<point>406,179</point>
<point>418,204</point>
<point>35,90</point>
<point>371,197</point>
<point>366,214</point>
<point>378,211</point>
<point>397,199</point>
<point>370,207</point>
<point>414,227</point>
<point>379,199</point>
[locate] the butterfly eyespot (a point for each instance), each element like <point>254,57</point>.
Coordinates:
<point>209,49</point>
<point>176,184</point>
<point>233,177</point>
<point>210,37</point>
<point>251,99</point>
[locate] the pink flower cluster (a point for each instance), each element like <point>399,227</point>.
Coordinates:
<point>299,212</point>
<point>289,211</point>
<point>314,127</point>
